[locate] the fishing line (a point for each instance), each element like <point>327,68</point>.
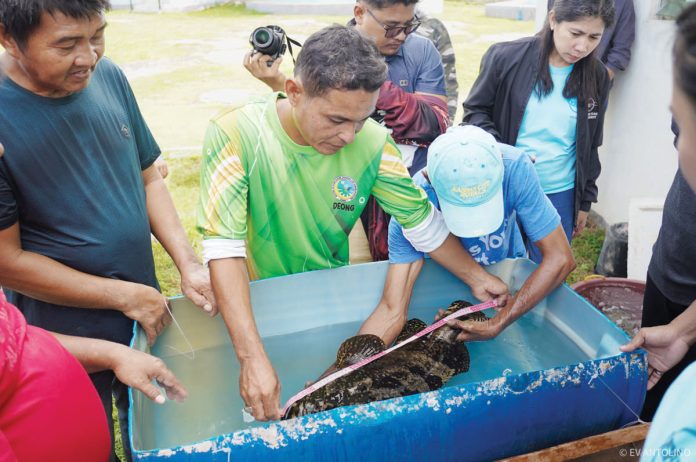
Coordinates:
<point>191,354</point>
<point>638,419</point>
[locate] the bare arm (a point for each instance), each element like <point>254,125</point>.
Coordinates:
<point>457,260</point>
<point>556,264</point>
<point>134,368</point>
<point>258,381</point>
<point>165,224</point>
<point>47,280</point>
<point>389,317</point>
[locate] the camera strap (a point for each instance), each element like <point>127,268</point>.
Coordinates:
<point>290,43</point>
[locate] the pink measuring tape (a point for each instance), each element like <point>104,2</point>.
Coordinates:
<point>347,370</point>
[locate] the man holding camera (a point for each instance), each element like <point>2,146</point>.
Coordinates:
<point>412,102</point>
<point>287,177</point>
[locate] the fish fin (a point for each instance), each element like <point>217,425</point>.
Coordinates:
<point>357,348</point>
<point>460,360</point>
<point>411,328</point>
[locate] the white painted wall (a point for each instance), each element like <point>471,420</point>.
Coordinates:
<point>638,157</point>
<point>644,220</point>
<point>164,5</point>
<point>540,13</point>
<point>431,7</point>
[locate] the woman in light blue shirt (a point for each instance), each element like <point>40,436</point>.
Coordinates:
<point>546,95</point>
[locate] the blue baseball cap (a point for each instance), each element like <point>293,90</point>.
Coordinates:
<point>465,167</point>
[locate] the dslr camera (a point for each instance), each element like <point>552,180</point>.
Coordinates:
<point>269,40</point>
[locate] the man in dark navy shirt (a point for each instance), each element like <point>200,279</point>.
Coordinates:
<point>79,192</point>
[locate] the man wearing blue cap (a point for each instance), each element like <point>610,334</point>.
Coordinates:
<point>483,188</point>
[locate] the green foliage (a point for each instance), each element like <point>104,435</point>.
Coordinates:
<point>586,248</point>
<point>118,444</point>
<point>228,10</point>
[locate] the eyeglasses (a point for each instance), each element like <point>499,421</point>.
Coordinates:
<point>394,31</point>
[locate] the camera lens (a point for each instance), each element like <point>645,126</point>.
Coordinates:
<point>266,41</point>
<point>262,36</point>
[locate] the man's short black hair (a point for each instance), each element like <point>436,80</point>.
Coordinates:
<point>340,58</point>
<point>21,17</point>
<point>379,4</point>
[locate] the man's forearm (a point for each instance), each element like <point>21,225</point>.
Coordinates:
<point>557,263</point>
<point>389,317</point>
<point>165,223</point>
<point>230,282</point>
<point>95,355</point>
<point>46,279</point>
<point>685,324</point>
<point>457,260</point>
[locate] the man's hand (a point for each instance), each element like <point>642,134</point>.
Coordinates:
<point>195,284</point>
<point>257,65</point>
<point>137,370</point>
<point>147,306</point>
<point>664,346</point>
<point>260,389</point>
<point>472,331</point>
<point>580,223</point>
<point>162,167</point>
<point>487,287</point>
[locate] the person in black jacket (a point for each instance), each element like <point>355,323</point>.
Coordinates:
<point>615,47</point>
<point>547,95</point>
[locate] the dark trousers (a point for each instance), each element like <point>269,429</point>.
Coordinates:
<point>110,388</point>
<point>564,203</point>
<point>658,310</point>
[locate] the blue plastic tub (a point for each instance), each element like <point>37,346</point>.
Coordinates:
<point>554,376</point>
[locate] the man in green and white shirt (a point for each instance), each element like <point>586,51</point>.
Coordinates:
<point>284,180</point>
<point>309,201</point>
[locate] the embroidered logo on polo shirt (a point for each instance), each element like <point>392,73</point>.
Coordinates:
<point>344,189</point>
<point>125,131</point>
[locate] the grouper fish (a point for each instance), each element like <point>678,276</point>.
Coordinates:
<point>423,365</point>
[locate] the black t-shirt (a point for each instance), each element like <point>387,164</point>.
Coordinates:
<point>673,264</point>
<point>72,177</point>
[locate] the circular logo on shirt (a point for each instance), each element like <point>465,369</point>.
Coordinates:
<point>591,105</point>
<point>344,188</point>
